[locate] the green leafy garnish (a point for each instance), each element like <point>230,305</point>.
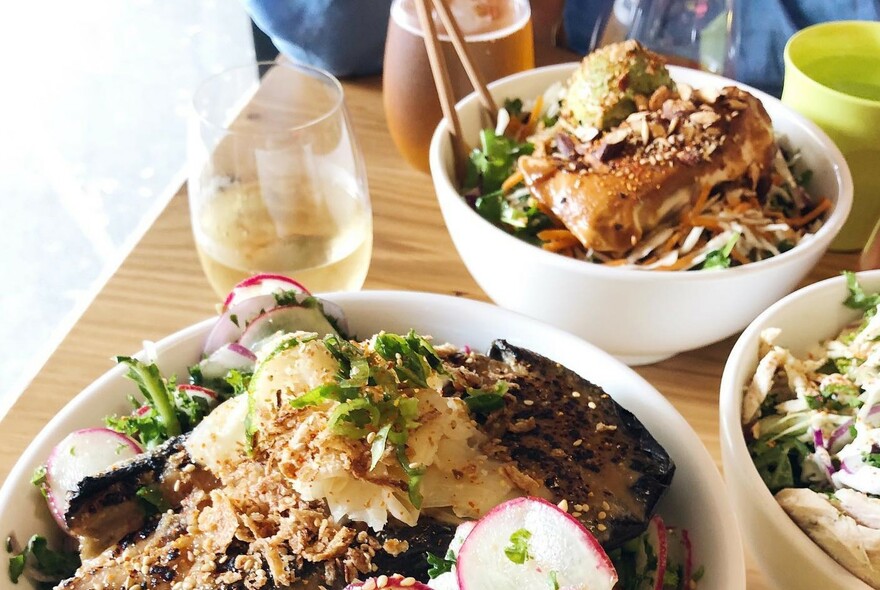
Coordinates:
<point>717,259</point>
<point>440,565</point>
<point>491,163</point>
<point>52,565</point>
<point>39,480</point>
<point>370,402</point>
<point>152,499</point>
<point>518,549</point>
<point>161,422</point>
<point>858,299</point>
<point>482,402</point>
<point>554,582</point>
<point>513,106</point>
<point>778,461</point>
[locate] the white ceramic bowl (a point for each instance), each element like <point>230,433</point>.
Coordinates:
<point>696,499</point>
<point>638,316</point>
<point>785,554</point>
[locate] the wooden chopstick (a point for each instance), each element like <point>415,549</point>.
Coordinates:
<point>443,84</point>
<point>467,61</point>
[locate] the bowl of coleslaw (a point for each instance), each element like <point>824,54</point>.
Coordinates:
<point>799,400</point>
<point>638,314</point>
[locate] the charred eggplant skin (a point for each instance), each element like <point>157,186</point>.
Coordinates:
<point>584,447</point>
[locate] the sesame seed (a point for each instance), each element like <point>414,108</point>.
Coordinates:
<point>575,394</point>
<point>529,402</point>
<point>606,506</point>
<point>382,581</point>
<point>602,527</point>
<point>591,405</point>
<point>578,442</point>
<point>563,505</point>
<point>407,582</point>
<point>369,585</point>
<point>603,515</point>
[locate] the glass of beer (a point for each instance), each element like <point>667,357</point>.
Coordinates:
<point>499,36</point>
<point>276,180</point>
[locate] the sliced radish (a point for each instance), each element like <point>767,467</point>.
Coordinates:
<point>232,322</point>
<point>652,554</point>
<point>289,318</point>
<point>262,284</point>
<point>557,546</point>
<point>227,357</point>
<point>82,453</point>
<point>209,395</point>
<point>391,582</point>
<point>679,555</point>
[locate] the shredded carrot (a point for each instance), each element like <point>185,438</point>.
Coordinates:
<point>616,262</point>
<point>683,262</point>
<point>743,207</point>
<point>511,181</point>
<point>536,111</point>
<point>549,235</point>
<point>823,206</point>
<point>701,200</point>
<point>558,245</point>
<point>739,256</point>
<point>669,243</point>
<point>704,221</point>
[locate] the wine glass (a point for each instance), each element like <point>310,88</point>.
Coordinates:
<point>692,33</point>
<point>499,36</point>
<point>276,179</point>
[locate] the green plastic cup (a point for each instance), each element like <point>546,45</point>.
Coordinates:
<point>832,76</point>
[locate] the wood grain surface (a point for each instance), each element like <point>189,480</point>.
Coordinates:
<point>160,289</point>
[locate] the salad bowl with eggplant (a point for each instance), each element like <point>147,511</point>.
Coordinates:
<point>368,440</point>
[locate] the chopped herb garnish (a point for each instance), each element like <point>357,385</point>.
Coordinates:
<point>482,402</point>
<point>518,549</point>
<point>370,401</point>
<point>717,259</point>
<point>53,566</point>
<point>440,565</point>
<point>554,582</point>
<point>857,298</point>
<point>490,164</point>
<point>152,499</point>
<point>513,106</point>
<point>39,479</point>
<point>161,422</point>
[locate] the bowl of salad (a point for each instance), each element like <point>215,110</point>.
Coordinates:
<point>799,406</point>
<point>648,208</point>
<point>356,441</point>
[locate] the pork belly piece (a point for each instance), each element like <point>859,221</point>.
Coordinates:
<point>612,191</point>
<point>571,440</point>
<point>105,507</point>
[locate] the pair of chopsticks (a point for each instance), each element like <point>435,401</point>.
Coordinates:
<point>441,73</point>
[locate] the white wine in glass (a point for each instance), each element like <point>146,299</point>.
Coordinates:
<point>277,181</point>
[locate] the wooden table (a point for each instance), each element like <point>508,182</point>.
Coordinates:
<point>160,289</point>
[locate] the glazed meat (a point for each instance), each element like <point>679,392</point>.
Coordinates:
<point>574,442</point>
<point>612,191</point>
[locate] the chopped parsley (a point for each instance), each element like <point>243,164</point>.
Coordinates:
<point>160,421</point>
<point>371,402</point>
<point>718,259</point>
<point>857,298</point>
<point>440,565</point>
<point>518,549</point>
<point>554,582</point>
<point>39,479</point>
<point>482,402</point>
<point>52,566</point>
<point>152,500</point>
<point>490,164</point>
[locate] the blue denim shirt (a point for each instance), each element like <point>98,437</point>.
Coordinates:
<point>347,37</point>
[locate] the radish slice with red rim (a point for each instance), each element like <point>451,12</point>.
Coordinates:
<point>289,318</point>
<point>651,555</point>
<point>530,543</point>
<point>262,284</point>
<point>209,395</point>
<point>224,359</point>
<point>391,582</point>
<point>679,555</point>
<point>82,453</point>
<point>232,322</point>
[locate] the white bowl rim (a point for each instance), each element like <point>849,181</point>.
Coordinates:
<point>730,411</point>
<point>819,240</point>
<point>732,552</point>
